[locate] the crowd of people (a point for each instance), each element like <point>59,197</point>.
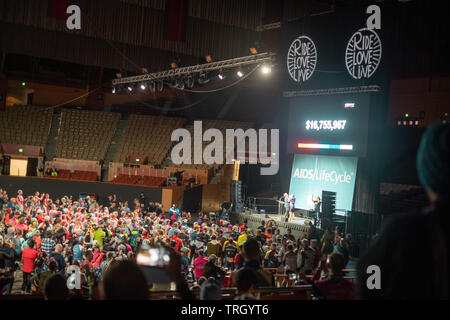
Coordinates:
<point>47,238</point>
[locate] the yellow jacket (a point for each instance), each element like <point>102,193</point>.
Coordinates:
<point>242,238</point>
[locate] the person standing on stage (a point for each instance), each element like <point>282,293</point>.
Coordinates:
<point>286,207</point>
<point>291,207</point>
<point>317,204</point>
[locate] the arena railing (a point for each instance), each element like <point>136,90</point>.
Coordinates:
<point>303,292</point>
<point>293,293</point>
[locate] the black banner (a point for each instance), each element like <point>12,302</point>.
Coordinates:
<point>345,48</point>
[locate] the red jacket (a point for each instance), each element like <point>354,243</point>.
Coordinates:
<point>179,243</point>
<point>29,255</point>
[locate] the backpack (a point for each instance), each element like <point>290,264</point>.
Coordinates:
<point>230,251</point>
<point>57,264</point>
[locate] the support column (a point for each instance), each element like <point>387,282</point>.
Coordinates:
<point>95,99</point>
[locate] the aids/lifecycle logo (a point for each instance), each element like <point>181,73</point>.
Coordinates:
<point>302,59</point>
<point>363,54</point>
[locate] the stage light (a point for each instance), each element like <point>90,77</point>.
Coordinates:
<point>417,123</point>
<point>208,59</point>
<point>253,51</point>
<point>410,123</point>
<point>399,123</point>
<point>144,71</point>
<point>265,69</point>
<point>190,81</point>
<point>239,73</point>
<point>179,83</point>
<point>173,65</point>
<point>23,84</point>
<point>143,86</point>
<point>406,115</point>
<point>114,90</point>
<point>118,75</point>
<point>130,88</point>
<point>221,76</point>
<point>203,78</point>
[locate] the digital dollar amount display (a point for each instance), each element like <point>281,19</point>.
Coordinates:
<point>325,125</point>
<point>329,124</point>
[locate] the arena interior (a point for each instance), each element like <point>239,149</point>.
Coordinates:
<point>314,137</point>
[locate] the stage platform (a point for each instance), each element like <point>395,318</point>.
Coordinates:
<point>280,218</point>
<point>299,226</point>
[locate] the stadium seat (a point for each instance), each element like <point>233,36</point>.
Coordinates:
<point>85,135</point>
<point>149,136</point>
<point>25,125</point>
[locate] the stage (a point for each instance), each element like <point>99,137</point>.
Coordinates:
<point>279,218</point>
<point>299,226</point>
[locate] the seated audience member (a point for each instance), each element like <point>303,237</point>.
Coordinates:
<point>252,256</point>
<point>289,263</point>
<point>334,286</point>
<point>211,270</point>
<point>124,281</point>
<point>416,269</point>
<point>55,288</point>
<point>306,258</point>
<point>200,281</point>
<point>210,290</point>
<point>52,268</point>
<point>246,283</point>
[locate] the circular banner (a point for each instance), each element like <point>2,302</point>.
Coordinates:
<point>302,59</point>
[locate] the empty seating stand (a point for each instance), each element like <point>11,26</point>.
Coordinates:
<point>62,174</point>
<point>85,135</point>
<point>146,181</point>
<point>125,179</point>
<point>222,125</point>
<point>25,125</point>
<point>84,175</point>
<point>149,136</point>
<point>76,175</point>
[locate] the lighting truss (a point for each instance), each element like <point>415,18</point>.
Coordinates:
<point>201,68</point>
<point>333,91</point>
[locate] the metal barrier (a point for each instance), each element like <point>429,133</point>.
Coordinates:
<point>303,292</point>
<point>263,205</point>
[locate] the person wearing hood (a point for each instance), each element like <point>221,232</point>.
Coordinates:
<point>416,269</point>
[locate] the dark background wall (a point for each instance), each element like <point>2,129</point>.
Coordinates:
<point>192,199</point>
<point>60,188</point>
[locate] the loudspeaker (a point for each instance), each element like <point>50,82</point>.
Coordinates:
<point>236,195</point>
<point>328,208</point>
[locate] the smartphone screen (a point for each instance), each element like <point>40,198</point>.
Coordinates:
<point>153,261</point>
<point>153,257</point>
<point>293,276</point>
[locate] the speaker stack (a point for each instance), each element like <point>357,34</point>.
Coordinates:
<point>236,195</point>
<point>328,208</point>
